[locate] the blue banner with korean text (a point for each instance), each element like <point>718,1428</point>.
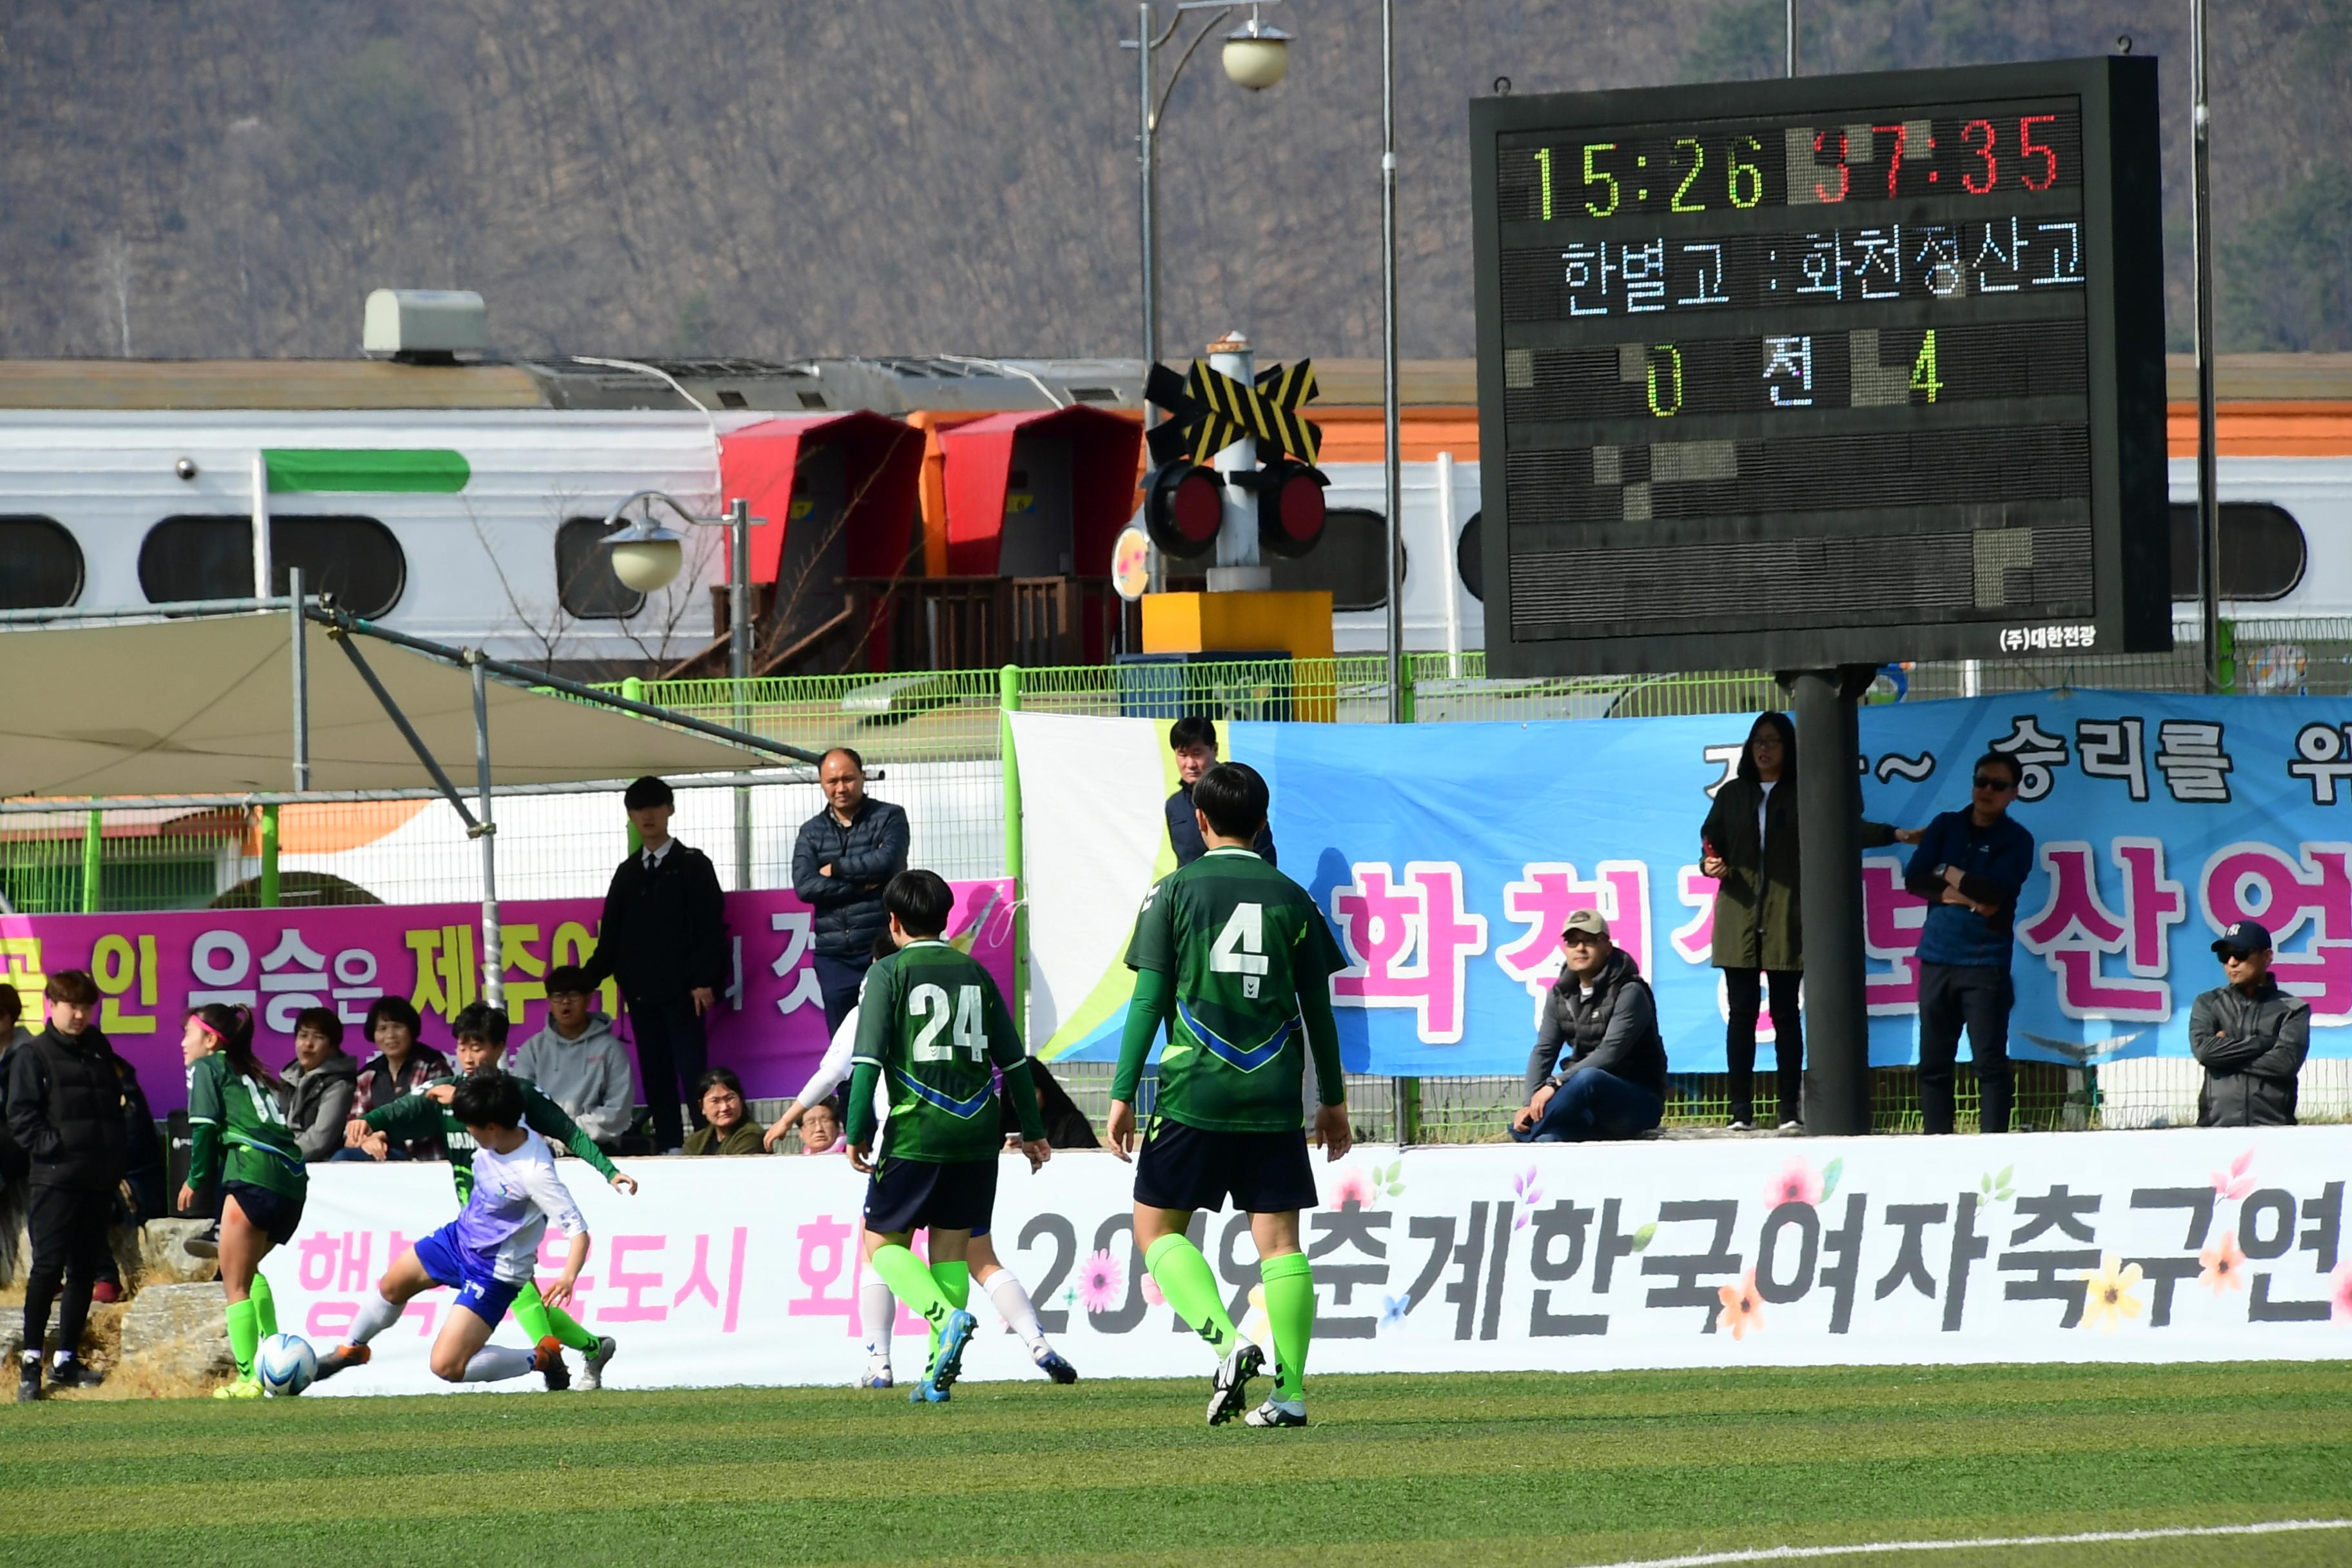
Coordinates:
<point>1447,857</point>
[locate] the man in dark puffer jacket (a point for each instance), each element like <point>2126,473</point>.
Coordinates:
<point>842,857</point>
<point>1611,1081</point>
<point>66,1108</point>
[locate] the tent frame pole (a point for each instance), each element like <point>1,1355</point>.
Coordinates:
<point>408,731</point>
<point>345,622</point>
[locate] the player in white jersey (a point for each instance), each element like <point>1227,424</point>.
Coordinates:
<point>878,1309</point>
<point>487,1252</point>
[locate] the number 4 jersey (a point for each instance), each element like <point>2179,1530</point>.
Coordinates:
<point>931,1020</point>
<point>1238,939</point>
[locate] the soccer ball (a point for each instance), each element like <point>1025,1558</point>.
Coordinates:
<point>285,1363</point>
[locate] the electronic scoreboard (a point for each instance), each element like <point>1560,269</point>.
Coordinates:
<point>1826,371</point>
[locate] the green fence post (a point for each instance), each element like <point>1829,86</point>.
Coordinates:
<point>2225,656</point>
<point>92,841</point>
<point>269,857</point>
<point>1405,674</point>
<point>634,689</point>
<point>1407,1095</point>
<point>1008,702</point>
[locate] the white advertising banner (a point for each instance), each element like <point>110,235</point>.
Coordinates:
<point>2109,1246</point>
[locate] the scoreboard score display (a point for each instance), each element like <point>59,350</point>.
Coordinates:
<point>1826,371</point>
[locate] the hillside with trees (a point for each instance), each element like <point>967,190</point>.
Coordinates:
<point>746,177</point>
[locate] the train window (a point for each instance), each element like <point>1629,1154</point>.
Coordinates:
<point>585,580</point>
<point>45,564</point>
<point>1469,558</point>
<point>1349,563</point>
<point>2262,550</point>
<point>356,559</point>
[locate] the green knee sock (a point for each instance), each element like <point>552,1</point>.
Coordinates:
<point>1184,1278</point>
<point>244,1334</point>
<point>1290,1307</point>
<point>542,1321</point>
<point>530,1311</point>
<point>569,1330</point>
<point>265,1305</point>
<point>911,1283</point>
<point>955,1283</point>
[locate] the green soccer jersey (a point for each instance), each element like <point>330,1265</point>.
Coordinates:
<point>930,1021</point>
<point>238,1132</point>
<point>418,1115</point>
<point>1237,939</point>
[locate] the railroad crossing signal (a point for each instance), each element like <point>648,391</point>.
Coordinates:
<point>1209,411</point>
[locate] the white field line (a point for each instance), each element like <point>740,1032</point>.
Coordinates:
<point>1787,1553</point>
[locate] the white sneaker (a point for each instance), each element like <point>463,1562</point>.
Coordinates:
<point>592,1365</point>
<point>1792,1127</point>
<point>1741,1127</point>
<point>1277,1413</point>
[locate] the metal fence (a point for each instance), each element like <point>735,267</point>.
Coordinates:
<point>935,737</point>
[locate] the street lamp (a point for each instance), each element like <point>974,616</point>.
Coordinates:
<point>648,557</point>
<point>1255,56</point>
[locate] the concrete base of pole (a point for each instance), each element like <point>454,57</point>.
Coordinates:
<point>1828,818</point>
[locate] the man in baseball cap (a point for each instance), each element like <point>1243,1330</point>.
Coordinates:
<point>2249,1036</point>
<point>1598,1067</point>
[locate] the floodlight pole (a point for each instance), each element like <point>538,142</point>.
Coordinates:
<point>1392,473</point>
<point>1829,823</point>
<point>2201,211</point>
<point>485,831</point>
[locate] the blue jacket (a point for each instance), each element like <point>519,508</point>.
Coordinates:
<point>1994,863</point>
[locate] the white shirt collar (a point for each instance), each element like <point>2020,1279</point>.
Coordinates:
<point>653,857</point>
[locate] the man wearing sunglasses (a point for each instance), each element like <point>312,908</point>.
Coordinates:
<point>2249,1036</point>
<point>1970,867</point>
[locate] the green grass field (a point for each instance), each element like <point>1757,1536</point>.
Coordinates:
<point>1421,1470</point>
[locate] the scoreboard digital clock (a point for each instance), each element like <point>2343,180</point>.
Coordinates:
<point>1836,369</point>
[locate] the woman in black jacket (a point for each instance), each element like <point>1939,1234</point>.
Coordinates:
<point>1750,846</point>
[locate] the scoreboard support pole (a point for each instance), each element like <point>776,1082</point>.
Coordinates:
<point>1828,818</point>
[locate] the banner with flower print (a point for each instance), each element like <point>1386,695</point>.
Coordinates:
<point>2206,1245</point>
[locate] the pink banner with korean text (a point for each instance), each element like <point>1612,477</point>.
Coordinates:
<point>152,968</point>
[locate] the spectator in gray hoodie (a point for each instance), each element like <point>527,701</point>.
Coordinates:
<point>320,1083</point>
<point>577,1060</point>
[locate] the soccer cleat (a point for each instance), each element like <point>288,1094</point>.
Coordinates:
<point>340,1357</point>
<point>28,1380</point>
<point>1049,1362</point>
<point>245,1387</point>
<point>947,1366</point>
<point>71,1373</point>
<point>207,1245</point>
<point>927,1392</point>
<point>552,1367</point>
<point>1229,1392</point>
<point>878,1371</point>
<point>1277,1413</point>
<point>593,1364</point>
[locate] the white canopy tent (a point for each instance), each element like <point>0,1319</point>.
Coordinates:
<point>244,703</point>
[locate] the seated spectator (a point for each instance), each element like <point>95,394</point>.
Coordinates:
<point>320,1085</point>
<point>2249,1036</point>
<point>726,1128</point>
<point>1612,1081</point>
<point>580,1063</point>
<point>402,1063</point>
<point>820,1132</point>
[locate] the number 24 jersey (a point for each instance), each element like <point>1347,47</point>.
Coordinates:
<point>933,1020</point>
